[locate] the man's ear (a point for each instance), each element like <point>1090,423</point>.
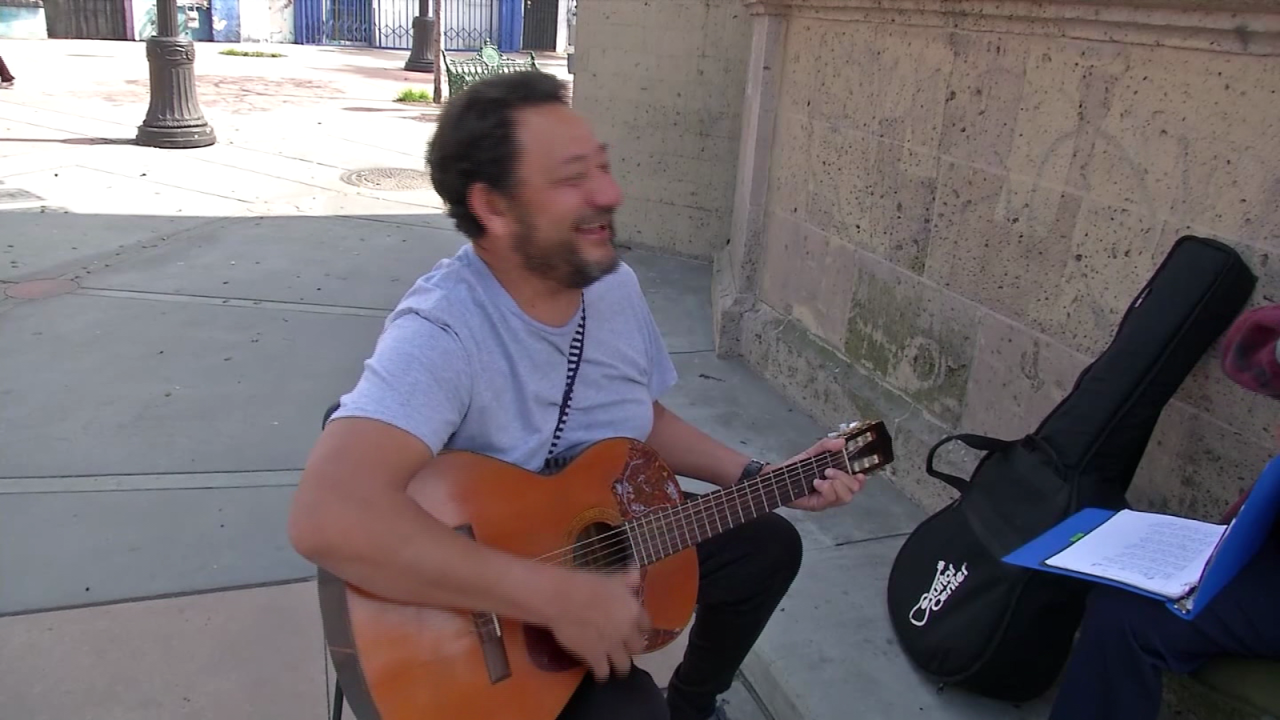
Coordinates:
<point>491,208</point>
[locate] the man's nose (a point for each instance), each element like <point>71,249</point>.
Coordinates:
<point>606,193</point>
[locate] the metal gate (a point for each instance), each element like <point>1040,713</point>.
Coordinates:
<point>541,23</point>
<point>468,23</point>
<point>333,22</point>
<point>389,23</point>
<point>393,22</point>
<point>87,20</point>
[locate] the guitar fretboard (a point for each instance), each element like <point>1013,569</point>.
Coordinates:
<point>664,533</point>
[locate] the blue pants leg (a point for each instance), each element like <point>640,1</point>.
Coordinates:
<point>1126,640</point>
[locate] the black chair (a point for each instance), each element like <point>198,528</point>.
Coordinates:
<point>337,686</point>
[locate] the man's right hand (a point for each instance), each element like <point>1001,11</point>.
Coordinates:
<point>599,620</point>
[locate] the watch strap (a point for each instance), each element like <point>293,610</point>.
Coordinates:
<point>752,469</point>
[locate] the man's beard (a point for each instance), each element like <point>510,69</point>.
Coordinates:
<point>559,261</point>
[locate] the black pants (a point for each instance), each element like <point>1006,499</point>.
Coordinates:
<point>5,75</point>
<point>743,575</point>
<point>1127,640</point>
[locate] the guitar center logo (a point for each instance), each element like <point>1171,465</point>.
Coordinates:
<point>945,581</point>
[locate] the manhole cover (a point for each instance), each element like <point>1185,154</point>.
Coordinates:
<point>41,289</point>
<point>387,178</point>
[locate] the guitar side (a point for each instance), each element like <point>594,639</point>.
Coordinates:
<point>404,662</point>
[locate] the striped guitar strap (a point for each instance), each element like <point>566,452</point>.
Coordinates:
<point>575,361</point>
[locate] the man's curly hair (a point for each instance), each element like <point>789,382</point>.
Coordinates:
<point>475,139</point>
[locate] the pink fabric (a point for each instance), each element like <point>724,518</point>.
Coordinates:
<point>1250,358</point>
<point>1249,352</point>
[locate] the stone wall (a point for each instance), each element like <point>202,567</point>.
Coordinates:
<point>662,83</point>
<point>941,213</point>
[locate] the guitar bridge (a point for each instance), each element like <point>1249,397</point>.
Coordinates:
<point>489,630</point>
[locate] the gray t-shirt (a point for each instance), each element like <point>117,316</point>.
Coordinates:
<point>462,367</point>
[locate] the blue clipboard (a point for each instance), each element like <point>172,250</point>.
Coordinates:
<point>1237,547</point>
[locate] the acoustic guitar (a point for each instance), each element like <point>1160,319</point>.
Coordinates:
<point>616,504</point>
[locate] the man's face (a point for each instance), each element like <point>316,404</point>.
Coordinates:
<point>565,198</point>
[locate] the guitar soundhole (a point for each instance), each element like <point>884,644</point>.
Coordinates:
<point>598,546</point>
<point>601,546</point>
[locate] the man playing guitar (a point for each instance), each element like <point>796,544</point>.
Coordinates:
<point>475,358</point>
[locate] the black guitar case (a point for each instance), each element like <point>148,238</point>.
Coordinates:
<point>966,618</point>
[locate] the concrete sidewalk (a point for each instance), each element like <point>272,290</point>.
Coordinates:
<point>156,405</point>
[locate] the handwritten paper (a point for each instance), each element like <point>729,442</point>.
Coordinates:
<point>1161,554</point>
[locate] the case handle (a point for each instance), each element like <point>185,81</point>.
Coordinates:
<point>977,442</point>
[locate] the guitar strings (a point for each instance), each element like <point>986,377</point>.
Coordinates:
<point>664,527</point>
<point>730,497</point>
<point>788,472</point>
<point>488,623</point>
<point>691,528</point>
<point>724,500</point>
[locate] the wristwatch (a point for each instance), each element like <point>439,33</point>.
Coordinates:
<point>752,469</point>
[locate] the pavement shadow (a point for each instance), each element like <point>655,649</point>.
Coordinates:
<point>72,141</point>
<point>157,404</point>
<point>242,94</point>
<point>393,72</point>
<point>156,411</point>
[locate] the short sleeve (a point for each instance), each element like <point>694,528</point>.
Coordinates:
<point>418,379</point>
<point>662,372</point>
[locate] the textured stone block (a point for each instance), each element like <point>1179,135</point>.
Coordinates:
<point>642,183</point>
<point>881,72</point>
<point>1018,377</point>
<point>833,390</point>
<point>625,61</point>
<point>1195,466</point>
<point>980,248</point>
<point>789,172</point>
<point>1189,124</point>
<point>728,33</point>
<point>809,275</point>
<point>1114,251</point>
<point>623,12</point>
<point>1060,139</point>
<point>684,231</point>
<point>1054,131</point>
<point>866,190</point>
<point>842,194</point>
<point>869,137</point>
<point>913,334</point>
<point>661,84</point>
<point>798,68</point>
<point>1208,390</point>
<point>912,447</point>
<point>982,101</point>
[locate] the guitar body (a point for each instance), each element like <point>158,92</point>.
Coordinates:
<point>405,662</point>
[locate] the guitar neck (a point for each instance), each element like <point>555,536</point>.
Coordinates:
<point>664,533</point>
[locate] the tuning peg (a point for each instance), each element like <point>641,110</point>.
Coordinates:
<point>848,428</point>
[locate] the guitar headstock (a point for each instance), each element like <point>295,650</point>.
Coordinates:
<point>867,444</point>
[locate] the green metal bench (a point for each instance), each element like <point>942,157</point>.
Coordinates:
<point>488,61</point>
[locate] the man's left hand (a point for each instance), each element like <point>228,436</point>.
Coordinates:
<point>834,488</point>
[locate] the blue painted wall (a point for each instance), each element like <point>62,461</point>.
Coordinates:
<point>510,25</point>
<point>23,23</point>
<point>226,20</point>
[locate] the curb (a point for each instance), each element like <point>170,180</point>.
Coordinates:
<point>768,690</point>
